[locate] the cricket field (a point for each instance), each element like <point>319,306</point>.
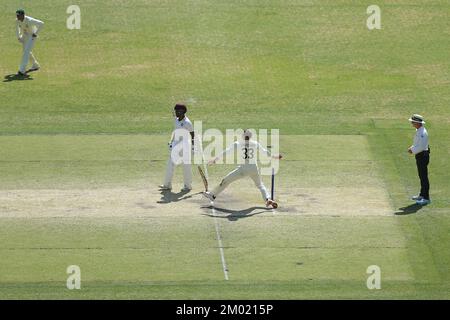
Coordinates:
<point>83,148</point>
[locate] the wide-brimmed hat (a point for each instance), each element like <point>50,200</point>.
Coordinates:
<point>417,118</point>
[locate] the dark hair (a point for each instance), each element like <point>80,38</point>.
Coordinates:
<point>180,106</point>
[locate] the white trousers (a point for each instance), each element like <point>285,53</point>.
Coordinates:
<point>28,43</point>
<point>187,174</point>
<point>245,170</point>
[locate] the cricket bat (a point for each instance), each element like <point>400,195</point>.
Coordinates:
<point>204,176</point>
<point>203,170</point>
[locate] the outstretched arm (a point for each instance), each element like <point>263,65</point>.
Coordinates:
<point>231,148</point>
<point>268,153</point>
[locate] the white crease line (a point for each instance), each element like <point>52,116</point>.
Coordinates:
<point>219,240</point>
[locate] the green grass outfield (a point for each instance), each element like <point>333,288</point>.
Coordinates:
<point>83,147</point>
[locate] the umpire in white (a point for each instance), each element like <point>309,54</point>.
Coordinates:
<point>421,150</point>
<point>27,29</point>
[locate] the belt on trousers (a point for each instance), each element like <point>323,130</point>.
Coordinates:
<point>422,153</point>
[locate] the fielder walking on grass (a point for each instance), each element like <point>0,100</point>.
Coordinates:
<point>27,29</point>
<point>181,121</point>
<point>247,151</point>
<point>421,150</point>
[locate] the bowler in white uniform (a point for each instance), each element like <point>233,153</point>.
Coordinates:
<point>247,151</point>
<point>27,30</point>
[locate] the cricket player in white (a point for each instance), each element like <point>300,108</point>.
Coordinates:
<point>181,122</point>
<point>27,30</point>
<point>247,150</point>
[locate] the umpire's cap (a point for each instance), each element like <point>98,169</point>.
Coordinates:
<point>20,12</point>
<point>180,106</point>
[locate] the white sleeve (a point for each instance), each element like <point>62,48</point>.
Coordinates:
<point>189,126</point>
<point>228,150</point>
<point>17,29</point>
<point>267,152</point>
<point>37,23</point>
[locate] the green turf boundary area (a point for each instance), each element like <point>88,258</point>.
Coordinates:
<point>306,289</point>
<point>307,67</point>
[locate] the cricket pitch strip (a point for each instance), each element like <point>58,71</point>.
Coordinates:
<point>128,202</point>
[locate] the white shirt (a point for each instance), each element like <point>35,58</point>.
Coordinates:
<point>28,26</point>
<point>184,123</point>
<point>246,150</point>
<point>420,140</point>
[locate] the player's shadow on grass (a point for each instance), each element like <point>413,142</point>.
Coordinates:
<point>234,215</point>
<point>167,196</point>
<point>413,208</point>
<point>15,77</point>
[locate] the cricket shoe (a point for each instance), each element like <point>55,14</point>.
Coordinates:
<point>271,203</point>
<point>209,195</point>
<point>34,68</point>
<point>415,198</point>
<point>164,188</point>
<point>423,202</point>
